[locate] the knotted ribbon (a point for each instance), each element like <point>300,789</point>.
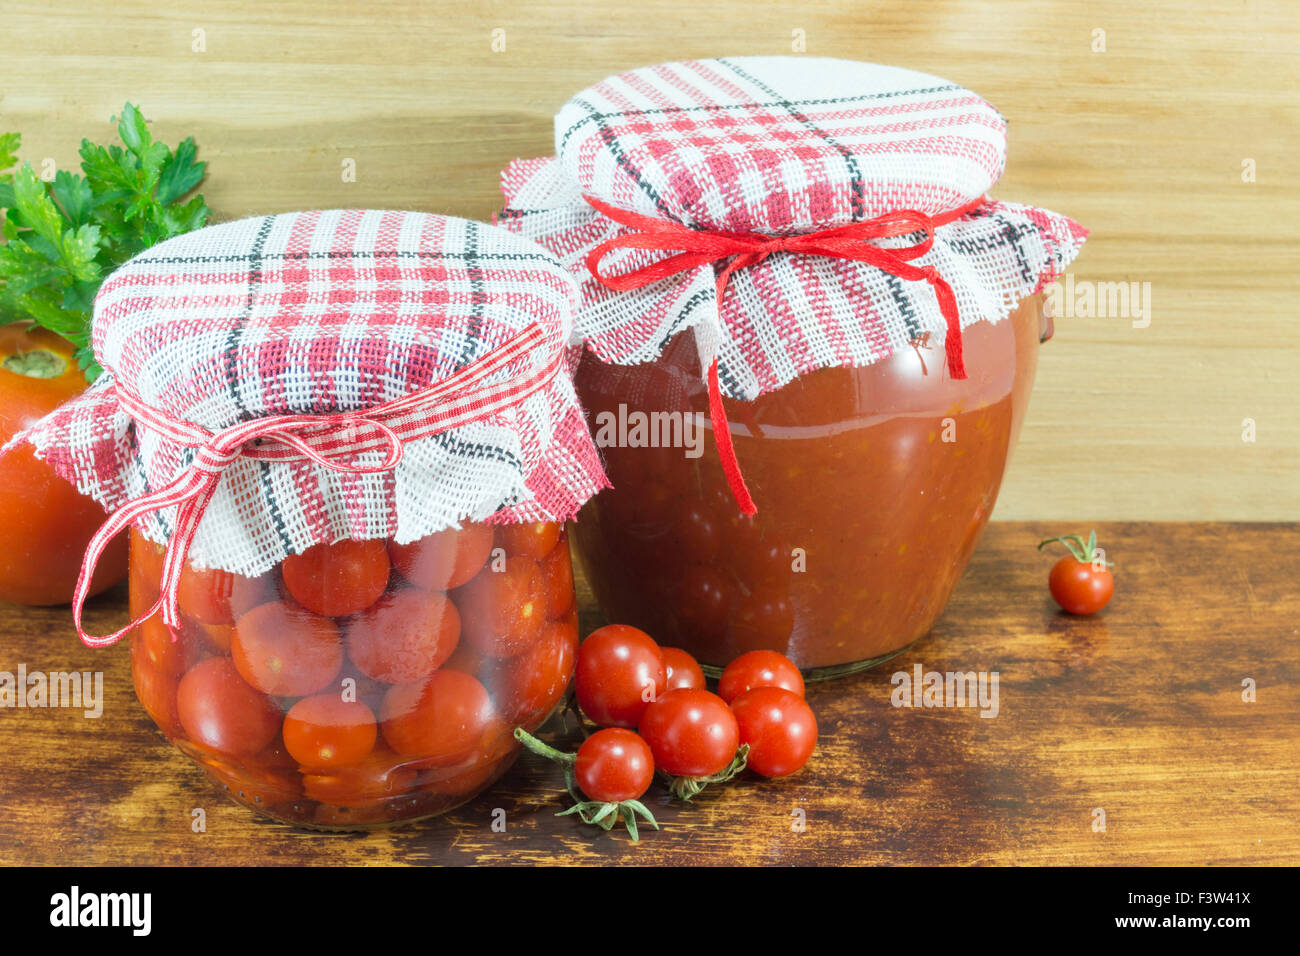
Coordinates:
<point>331,441</point>
<point>698,247</point>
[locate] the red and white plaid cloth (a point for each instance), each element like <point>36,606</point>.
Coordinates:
<point>781,146</point>
<point>320,313</point>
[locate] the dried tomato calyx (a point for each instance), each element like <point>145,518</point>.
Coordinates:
<point>684,788</point>
<point>37,363</point>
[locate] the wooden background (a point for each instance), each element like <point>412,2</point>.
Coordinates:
<point>1144,143</point>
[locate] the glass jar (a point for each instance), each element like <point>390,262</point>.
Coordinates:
<point>361,683</point>
<point>872,484</point>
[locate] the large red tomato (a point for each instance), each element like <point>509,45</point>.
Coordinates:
<point>45,523</point>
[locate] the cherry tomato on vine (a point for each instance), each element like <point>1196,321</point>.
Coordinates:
<point>326,731</point>
<point>759,669</point>
<point>614,765</point>
<point>1080,582</point>
<point>620,670</point>
<point>779,727</point>
<point>338,579</point>
<point>692,733</point>
<point>682,670</point>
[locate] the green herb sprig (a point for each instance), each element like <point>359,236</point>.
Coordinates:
<point>60,239</point>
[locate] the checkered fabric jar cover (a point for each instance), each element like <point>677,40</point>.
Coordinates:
<point>319,313</point>
<point>780,146</point>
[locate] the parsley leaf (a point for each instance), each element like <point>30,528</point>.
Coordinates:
<point>59,240</point>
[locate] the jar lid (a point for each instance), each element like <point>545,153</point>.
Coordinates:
<point>665,176</point>
<point>778,144</point>
<point>323,375</point>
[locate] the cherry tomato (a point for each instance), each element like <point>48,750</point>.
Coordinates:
<point>404,636</point>
<point>338,579</point>
<point>164,650</point>
<point>146,569</point>
<point>614,765</point>
<point>1078,587</point>
<point>527,687</point>
<point>156,691</point>
<point>466,658</point>
<point>204,595</point>
<point>533,539</point>
<point>779,727</point>
<point>682,670</point>
<point>445,559</point>
<point>503,612</point>
<point>620,670</point>
<point>380,775</point>
<point>248,593</point>
<point>691,733</point>
<point>216,636</point>
<point>1081,582</point>
<point>495,752</point>
<point>759,669</point>
<point>439,720</point>
<point>218,709</point>
<point>286,651</point>
<point>557,575</point>
<point>325,731</point>
<point>45,523</point>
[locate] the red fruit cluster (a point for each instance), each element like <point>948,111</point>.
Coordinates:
<point>362,682</point>
<point>625,681</point>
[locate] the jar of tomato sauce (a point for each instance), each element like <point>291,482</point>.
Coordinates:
<point>810,339</point>
<point>350,578</point>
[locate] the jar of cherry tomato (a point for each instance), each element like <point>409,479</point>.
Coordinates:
<point>810,341</point>
<point>346,444</point>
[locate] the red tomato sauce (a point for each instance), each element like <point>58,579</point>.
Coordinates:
<point>872,485</point>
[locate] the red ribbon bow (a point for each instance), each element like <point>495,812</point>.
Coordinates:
<point>701,246</point>
<point>332,441</point>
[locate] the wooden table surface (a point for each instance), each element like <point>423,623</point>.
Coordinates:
<point>1138,712</point>
<point>1170,130</point>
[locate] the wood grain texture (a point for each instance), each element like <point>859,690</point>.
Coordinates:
<point>1138,711</point>
<point>1144,143</point>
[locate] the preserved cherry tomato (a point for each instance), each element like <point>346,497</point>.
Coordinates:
<point>502,612</point>
<point>204,595</point>
<point>534,539</point>
<point>285,650</point>
<point>620,670</point>
<point>404,636</point>
<point>779,727</point>
<point>614,765</point>
<point>759,669</point>
<point>682,670</point>
<point>380,775</point>
<point>496,750</point>
<point>337,579</point>
<point>691,733</point>
<point>218,709</point>
<point>439,720</point>
<point>529,685</point>
<point>164,650</point>
<point>156,691</point>
<point>325,731</point>
<point>557,574</point>
<point>444,560</point>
